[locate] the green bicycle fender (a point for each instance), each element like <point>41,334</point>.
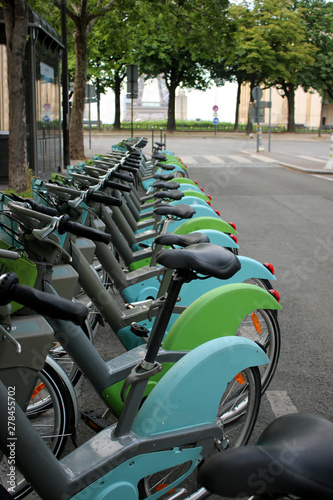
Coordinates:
<point>199,194</point>
<point>217,313</point>
<point>201,223</point>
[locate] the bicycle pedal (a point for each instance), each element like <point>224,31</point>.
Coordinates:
<point>94,420</point>
<point>100,320</point>
<point>139,330</point>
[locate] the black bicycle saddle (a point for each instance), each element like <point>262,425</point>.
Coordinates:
<point>165,167</point>
<point>159,156</point>
<point>163,177</point>
<point>204,258</point>
<point>173,194</point>
<point>181,211</point>
<point>182,240</point>
<point>293,456</point>
<point>166,185</point>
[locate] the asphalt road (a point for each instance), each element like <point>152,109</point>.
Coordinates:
<point>283,217</point>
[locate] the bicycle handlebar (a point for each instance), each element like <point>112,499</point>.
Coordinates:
<point>103,198</point>
<point>65,225</point>
<point>123,177</point>
<point>117,185</point>
<point>42,302</point>
<point>53,212</point>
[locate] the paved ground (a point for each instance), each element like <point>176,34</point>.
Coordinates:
<point>306,153</point>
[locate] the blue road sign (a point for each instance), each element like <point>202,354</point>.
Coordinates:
<point>216,121</point>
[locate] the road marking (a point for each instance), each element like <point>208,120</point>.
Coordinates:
<point>281,403</point>
<point>189,159</point>
<point>265,159</point>
<point>239,159</point>
<point>311,158</point>
<point>214,159</point>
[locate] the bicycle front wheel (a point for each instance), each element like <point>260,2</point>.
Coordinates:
<point>53,424</point>
<point>236,417</point>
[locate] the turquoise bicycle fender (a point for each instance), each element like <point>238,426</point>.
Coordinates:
<point>189,187</point>
<point>217,313</point>
<point>121,483</point>
<point>218,238</point>
<point>191,200</point>
<point>250,268</point>
<point>187,395</point>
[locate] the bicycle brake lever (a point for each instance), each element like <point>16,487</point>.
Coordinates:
<point>41,234</point>
<point>8,336</point>
<point>76,202</point>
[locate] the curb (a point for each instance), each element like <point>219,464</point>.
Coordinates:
<point>306,170</point>
<point>297,168</point>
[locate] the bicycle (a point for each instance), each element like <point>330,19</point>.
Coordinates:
<point>168,429</point>
<point>244,308</point>
<point>291,460</point>
<point>40,385</point>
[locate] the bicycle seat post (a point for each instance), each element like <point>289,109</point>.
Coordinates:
<point>138,378</point>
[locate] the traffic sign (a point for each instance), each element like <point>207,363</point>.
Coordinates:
<point>216,120</point>
<point>257,93</point>
<point>266,104</point>
<point>215,108</point>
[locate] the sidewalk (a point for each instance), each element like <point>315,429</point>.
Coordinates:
<point>305,164</point>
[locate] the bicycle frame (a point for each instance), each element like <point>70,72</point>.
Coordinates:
<point>112,462</point>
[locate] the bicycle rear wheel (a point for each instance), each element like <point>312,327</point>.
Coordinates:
<point>262,327</point>
<point>54,423</point>
<point>236,417</point>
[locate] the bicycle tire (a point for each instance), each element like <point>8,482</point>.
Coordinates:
<point>236,416</point>
<point>60,415</point>
<point>262,327</point>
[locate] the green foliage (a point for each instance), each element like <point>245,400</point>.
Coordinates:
<point>318,17</point>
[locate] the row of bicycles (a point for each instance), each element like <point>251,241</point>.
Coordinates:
<point>131,242</point>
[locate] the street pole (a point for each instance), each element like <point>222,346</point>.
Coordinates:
<point>270,119</point>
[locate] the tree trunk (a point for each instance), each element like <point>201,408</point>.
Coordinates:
<point>117,90</point>
<point>239,86</point>
<point>171,125</point>
<point>77,113</point>
<point>290,93</point>
<point>16,27</point>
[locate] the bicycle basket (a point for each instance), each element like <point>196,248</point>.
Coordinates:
<point>23,267</point>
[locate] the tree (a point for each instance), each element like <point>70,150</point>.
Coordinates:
<point>84,14</point>
<point>109,52</point>
<point>16,28</point>
<point>268,46</point>
<point>281,31</point>
<point>318,17</point>
<point>177,40</point>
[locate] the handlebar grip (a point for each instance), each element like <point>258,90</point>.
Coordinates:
<point>130,163</point>
<point>103,198</point>
<point>128,169</point>
<point>123,177</point>
<point>65,225</point>
<point>117,185</point>
<point>42,302</point>
<point>42,209</point>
